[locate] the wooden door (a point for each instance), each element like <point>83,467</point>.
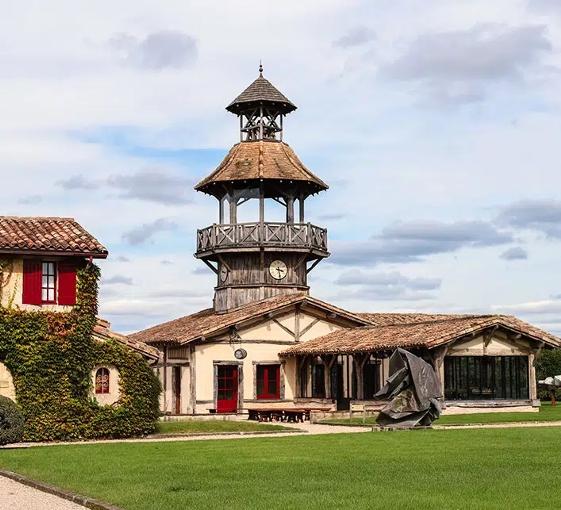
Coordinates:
<point>227,389</point>
<point>177,389</point>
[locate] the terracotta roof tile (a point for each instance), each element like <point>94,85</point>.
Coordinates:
<point>261,90</point>
<point>430,332</point>
<point>258,160</point>
<point>102,330</point>
<point>208,322</point>
<point>62,236</point>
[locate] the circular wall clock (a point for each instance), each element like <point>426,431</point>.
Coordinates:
<point>278,269</point>
<point>223,273</point>
<point>240,353</point>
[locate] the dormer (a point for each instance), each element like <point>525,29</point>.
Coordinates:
<point>39,259</point>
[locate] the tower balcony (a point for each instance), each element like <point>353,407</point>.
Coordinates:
<point>239,237</point>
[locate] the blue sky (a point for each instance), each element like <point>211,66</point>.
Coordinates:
<point>435,123</point>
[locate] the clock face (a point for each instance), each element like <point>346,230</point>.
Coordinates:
<point>278,269</point>
<point>223,273</point>
<point>240,353</point>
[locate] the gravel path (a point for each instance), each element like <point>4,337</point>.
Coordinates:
<point>303,428</point>
<point>16,496</point>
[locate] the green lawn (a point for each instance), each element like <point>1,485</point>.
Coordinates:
<point>216,426</point>
<point>507,468</point>
<point>546,413</point>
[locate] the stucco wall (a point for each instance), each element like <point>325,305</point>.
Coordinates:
<point>114,389</point>
<point>12,291</point>
<point>497,345</point>
<point>263,342</point>
<point>7,388</point>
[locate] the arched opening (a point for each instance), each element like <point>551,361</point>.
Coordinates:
<point>7,388</point>
<point>102,378</point>
<point>105,384</point>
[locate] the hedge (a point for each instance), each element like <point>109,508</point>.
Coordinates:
<point>51,356</point>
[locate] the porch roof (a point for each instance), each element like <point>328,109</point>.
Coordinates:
<point>414,330</point>
<point>102,331</point>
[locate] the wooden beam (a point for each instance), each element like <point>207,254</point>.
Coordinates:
<point>297,323</point>
<point>214,269</point>
<point>315,263</point>
<point>309,326</point>
<point>288,330</point>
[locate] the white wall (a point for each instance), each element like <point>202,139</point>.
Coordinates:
<point>7,388</point>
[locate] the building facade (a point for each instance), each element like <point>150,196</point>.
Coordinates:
<point>40,258</point>
<point>267,343</point>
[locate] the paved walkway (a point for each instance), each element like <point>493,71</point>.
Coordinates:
<point>16,496</point>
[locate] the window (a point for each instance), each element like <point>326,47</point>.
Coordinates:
<point>48,282</point>
<point>268,382</point>
<point>102,380</point>
<point>371,378</point>
<point>486,377</point>
<point>318,380</point>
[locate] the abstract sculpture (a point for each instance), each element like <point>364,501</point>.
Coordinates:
<point>413,391</point>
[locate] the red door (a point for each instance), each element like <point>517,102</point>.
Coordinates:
<point>227,386</point>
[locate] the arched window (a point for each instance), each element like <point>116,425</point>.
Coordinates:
<point>102,380</point>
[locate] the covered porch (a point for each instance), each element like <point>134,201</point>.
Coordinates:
<point>482,362</point>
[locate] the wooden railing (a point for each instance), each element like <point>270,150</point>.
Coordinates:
<point>295,235</point>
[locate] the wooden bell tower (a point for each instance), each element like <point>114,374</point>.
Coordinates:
<point>260,259</point>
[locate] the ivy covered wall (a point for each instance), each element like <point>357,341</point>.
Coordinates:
<point>51,355</point>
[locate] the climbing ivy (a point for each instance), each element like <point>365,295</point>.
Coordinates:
<point>51,356</point>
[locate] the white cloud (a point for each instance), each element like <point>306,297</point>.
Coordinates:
<point>164,49</point>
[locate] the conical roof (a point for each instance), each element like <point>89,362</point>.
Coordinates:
<point>261,91</point>
<point>261,160</point>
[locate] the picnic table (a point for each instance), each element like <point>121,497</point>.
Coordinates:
<point>284,414</point>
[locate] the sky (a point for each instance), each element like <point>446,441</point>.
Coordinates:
<point>436,124</point>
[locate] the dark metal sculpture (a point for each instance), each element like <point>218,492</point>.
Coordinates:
<point>413,391</point>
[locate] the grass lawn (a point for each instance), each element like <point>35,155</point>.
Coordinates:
<point>546,413</point>
<point>507,468</point>
<point>216,426</point>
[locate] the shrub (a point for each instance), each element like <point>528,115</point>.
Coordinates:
<point>548,365</point>
<point>11,422</point>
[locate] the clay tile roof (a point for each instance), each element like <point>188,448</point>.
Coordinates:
<point>61,236</point>
<point>261,160</point>
<point>103,332</point>
<point>429,333</point>
<point>261,90</point>
<point>208,322</point>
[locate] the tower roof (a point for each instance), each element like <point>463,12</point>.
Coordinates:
<point>261,160</point>
<point>261,91</point>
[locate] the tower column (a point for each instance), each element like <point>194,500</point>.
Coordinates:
<point>290,209</point>
<point>233,208</point>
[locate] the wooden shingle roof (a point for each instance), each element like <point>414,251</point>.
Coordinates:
<point>261,91</point>
<point>261,160</point>
<point>47,235</point>
<point>414,330</point>
<point>208,323</point>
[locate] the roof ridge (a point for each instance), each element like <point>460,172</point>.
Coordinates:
<point>65,218</point>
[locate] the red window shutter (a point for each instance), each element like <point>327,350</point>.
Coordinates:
<point>66,283</point>
<point>31,282</point>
